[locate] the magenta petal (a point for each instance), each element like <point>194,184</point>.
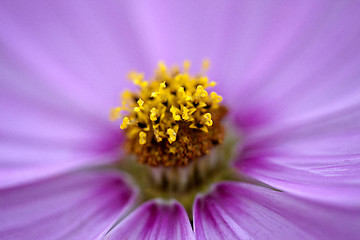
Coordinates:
<point>318,159</point>
<point>80,205</point>
<point>155,220</point>
<point>243,211</point>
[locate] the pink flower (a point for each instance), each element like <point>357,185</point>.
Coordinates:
<point>288,71</point>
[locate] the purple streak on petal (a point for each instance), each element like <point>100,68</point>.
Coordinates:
<point>80,205</point>
<point>243,211</point>
<point>154,220</point>
<point>319,159</point>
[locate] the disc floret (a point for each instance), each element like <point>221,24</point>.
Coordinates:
<point>172,119</point>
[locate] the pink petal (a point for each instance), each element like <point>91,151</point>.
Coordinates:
<point>319,159</point>
<point>80,205</point>
<point>243,211</point>
<point>80,52</point>
<point>61,70</point>
<point>298,68</point>
<point>275,62</point>
<point>154,220</point>
<point>37,140</point>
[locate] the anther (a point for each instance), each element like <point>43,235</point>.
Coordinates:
<point>172,120</point>
<point>142,138</point>
<point>125,123</point>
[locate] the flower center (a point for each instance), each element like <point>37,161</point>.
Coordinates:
<point>173,125</point>
<point>172,120</point>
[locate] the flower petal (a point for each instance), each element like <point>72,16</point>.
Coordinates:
<point>80,53</point>
<point>154,220</point>
<point>62,68</point>
<point>80,205</point>
<point>56,88</point>
<point>264,60</point>
<point>38,141</point>
<point>307,74</point>
<point>319,159</point>
<point>244,211</point>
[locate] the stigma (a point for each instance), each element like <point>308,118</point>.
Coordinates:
<point>172,119</point>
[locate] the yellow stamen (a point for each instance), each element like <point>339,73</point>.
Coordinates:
<point>212,84</point>
<point>207,119</point>
<point>162,67</point>
<point>162,85</point>
<point>185,113</point>
<point>137,79</point>
<point>200,92</point>
<point>115,113</point>
<point>140,103</point>
<point>142,138</point>
<point>183,95</point>
<point>215,97</point>
<point>175,112</point>
<point>172,135</point>
<point>153,116</point>
<point>169,109</point>
<point>125,123</point>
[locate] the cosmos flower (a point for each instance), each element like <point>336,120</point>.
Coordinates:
<point>288,74</point>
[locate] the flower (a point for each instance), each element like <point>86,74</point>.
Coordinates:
<point>288,72</point>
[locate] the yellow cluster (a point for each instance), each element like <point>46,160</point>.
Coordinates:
<point>169,101</point>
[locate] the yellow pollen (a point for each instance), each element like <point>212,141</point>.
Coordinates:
<point>114,114</point>
<point>185,113</point>
<point>215,98</point>
<point>207,119</point>
<point>183,95</point>
<point>162,85</point>
<point>153,116</point>
<point>212,84</point>
<point>162,68</point>
<point>124,123</point>
<point>137,79</point>
<point>140,102</point>
<point>175,112</point>
<point>168,107</point>
<point>172,135</point>
<point>200,92</point>
<point>142,138</point>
